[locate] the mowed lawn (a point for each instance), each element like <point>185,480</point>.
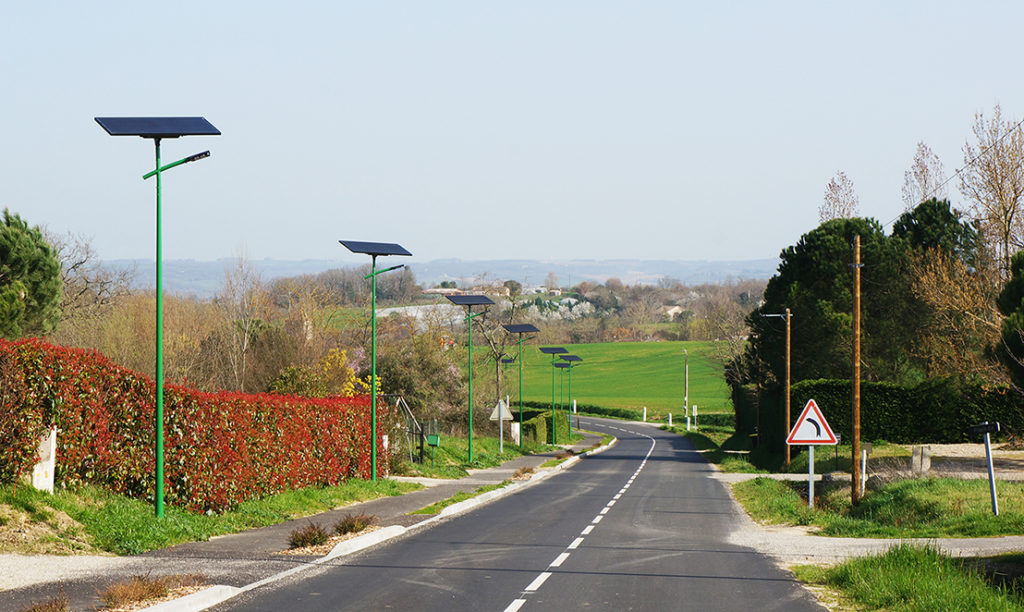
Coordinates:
<point>631,375</point>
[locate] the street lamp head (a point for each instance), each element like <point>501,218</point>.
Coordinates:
<point>521,328</point>
<point>374,248</point>
<point>157,127</point>
<point>470,300</point>
<point>552,350</point>
<point>196,157</point>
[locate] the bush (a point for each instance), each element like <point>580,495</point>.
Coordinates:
<point>310,535</point>
<point>353,523</point>
<point>219,448</point>
<point>936,410</point>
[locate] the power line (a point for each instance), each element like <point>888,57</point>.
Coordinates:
<point>970,163</point>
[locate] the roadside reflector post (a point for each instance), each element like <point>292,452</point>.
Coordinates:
<point>985,429</point>
<point>645,414</point>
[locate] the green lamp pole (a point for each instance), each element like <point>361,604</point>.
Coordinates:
<point>374,250</point>
<point>572,361</point>
<point>158,128</point>
<point>554,351</point>
<point>521,328</point>
<point>469,301</point>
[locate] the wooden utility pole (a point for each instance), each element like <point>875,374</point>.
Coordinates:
<point>855,480</point>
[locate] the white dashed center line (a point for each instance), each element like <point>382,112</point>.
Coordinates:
<point>560,559</point>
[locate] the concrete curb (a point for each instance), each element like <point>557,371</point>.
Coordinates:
<point>217,594</point>
<point>364,541</point>
<point>207,598</point>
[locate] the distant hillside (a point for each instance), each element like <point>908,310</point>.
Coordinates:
<point>204,278</point>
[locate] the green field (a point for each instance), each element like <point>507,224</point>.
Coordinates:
<point>631,375</point>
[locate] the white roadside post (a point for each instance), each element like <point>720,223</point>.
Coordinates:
<point>645,414</point>
<point>811,429</point>
<point>686,388</point>
<point>501,413</point>
<point>987,428</point>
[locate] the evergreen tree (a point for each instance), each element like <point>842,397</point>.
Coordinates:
<point>1011,304</point>
<point>30,283</point>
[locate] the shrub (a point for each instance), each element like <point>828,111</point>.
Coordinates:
<point>145,588</point>
<point>219,448</point>
<point>353,523</point>
<point>310,535</point>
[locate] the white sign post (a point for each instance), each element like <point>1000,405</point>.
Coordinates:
<point>501,413</point>
<point>811,429</point>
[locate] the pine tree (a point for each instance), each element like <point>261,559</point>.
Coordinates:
<point>30,284</point>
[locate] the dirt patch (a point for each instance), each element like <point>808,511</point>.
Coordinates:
<point>956,461</point>
<point>322,549</point>
<point>57,534</point>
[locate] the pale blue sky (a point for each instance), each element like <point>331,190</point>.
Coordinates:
<point>485,130</point>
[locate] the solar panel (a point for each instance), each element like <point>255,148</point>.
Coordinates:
<point>507,360</point>
<point>374,248</point>
<point>521,328</point>
<point>552,350</point>
<point>563,365</point>
<point>157,127</point>
<point>572,358</point>
<point>470,300</point>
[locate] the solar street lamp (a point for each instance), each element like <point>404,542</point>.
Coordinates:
<point>572,360</point>
<point>554,351</point>
<point>562,367</point>
<point>158,128</point>
<point>521,328</point>
<point>469,301</point>
<point>374,250</point>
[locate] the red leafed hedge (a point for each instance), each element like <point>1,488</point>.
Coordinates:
<point>219,448</point>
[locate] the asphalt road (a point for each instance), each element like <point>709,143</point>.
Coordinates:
<point>639,527</point>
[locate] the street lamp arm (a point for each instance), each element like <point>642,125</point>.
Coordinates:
<point>372,274</point>
<point>190,158</point>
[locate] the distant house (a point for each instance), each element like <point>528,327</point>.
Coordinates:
<point>671,312</point>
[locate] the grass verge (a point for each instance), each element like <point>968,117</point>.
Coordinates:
<point>460,496</point>
<point>121,525</point>
<point>914,508</point>
<point>908,578</point>
<point>451,458</point>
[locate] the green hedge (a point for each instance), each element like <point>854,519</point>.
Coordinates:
<point>935,411</point>
<point>592,410</point>
<point>538,427</point>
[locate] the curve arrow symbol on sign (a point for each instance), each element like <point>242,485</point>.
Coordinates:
<point>816,426</point>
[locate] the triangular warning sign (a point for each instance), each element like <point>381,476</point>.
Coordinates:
<point>811,428</point>
<point>501,408</point>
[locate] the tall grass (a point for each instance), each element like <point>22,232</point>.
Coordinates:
<point>924,508</point>
<point>908,578</point>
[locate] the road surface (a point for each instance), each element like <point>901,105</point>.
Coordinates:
<point>638,527</point>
